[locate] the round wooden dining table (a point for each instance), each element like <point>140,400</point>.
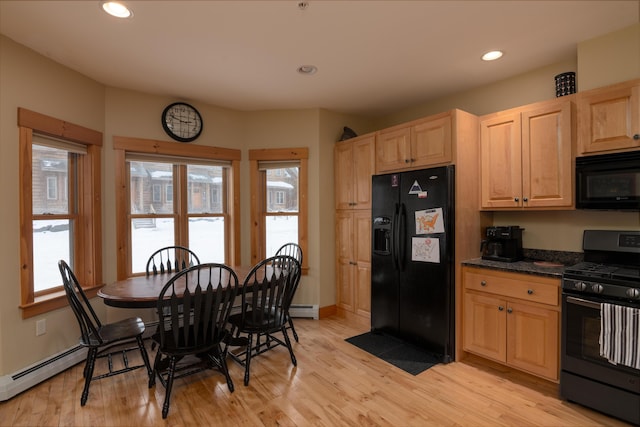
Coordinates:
<point>143,291</point>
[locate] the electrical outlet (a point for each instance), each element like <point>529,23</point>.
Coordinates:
<point>41,327</point>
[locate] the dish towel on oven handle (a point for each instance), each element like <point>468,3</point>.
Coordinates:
<point>620,334</point>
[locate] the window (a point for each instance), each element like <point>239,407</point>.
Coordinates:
<point>189,215</point>
<point>60,194</point>
<point>53,221</point>
<point>52,183</point>
<point>279,195</point>
<point>156,193</point>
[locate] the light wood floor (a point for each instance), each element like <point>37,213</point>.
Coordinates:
<point>335,384</point>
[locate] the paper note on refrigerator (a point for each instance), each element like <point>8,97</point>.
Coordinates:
<point>429,221</point>
<point>425,249</point>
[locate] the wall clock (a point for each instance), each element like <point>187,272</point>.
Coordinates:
<point>182,122</point>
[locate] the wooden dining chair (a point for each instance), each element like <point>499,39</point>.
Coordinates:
<point>171,259</point>
<point>102,340</point>
<point>266,296</point>
<point>194,308</point>
<point>294,250</point>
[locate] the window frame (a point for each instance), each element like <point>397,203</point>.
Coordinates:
<point>88,233</point>
<point>259,194</point>
<point>123,145</point>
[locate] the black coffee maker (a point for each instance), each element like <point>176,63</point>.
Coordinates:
<point>503,243</point>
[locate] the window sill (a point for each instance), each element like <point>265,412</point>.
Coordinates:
<point>52,302</point>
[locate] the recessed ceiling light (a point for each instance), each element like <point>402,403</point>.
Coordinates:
<point>116,9</point>
<point>492,56</point>
<point>307,69</point>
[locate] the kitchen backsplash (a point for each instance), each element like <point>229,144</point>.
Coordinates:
<point>561,257</point>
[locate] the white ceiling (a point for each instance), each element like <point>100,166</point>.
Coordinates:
<point>373,57</point>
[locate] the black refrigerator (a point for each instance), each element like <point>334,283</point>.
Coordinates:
<point>412,259</point>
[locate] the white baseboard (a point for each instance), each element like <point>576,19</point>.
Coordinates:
<point>302,310</point>
<point>11,385</point>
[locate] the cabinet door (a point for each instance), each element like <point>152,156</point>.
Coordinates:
<point>501,164</point>
<point>343,173</point>
<point>362,281</point>
<point>609,119</point>
<point>431,142</point>
<point>344,266</point>
<point>393,150</point>
<point>547,162</point>
<point>485,326</point>
<point>364,164</point>
<point>532,339</point>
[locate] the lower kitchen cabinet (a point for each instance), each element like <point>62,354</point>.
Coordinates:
<point>513,319</point>
<point>353,251</point>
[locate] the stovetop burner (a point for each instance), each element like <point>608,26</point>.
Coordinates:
<point>592,270</point>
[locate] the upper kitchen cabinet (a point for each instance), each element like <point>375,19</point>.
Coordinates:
<point>609,118</point>
<point>417,144</point>
<point>526,157</point>
<point>354,163</point>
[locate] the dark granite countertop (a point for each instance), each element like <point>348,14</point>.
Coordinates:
<point>537,262</point>
<point>526,267</point>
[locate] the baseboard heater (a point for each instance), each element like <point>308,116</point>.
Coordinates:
<point>301,310</point>
<point>11,385</point>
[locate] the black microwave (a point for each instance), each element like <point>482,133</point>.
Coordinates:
<point>608,181</point>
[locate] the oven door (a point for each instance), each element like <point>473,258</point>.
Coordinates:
<point>581,344</point>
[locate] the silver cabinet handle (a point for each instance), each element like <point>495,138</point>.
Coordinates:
<point>483,283</point>
<point>509,310</point>
<point>500,308</point>
<point>530,291</point>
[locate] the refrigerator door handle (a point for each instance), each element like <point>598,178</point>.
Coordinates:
<point>402,234</point>
<point>395,237</point>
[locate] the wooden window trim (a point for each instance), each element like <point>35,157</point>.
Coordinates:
<point>88,244</point>
<point>257,190</point>
<point>122,145</point>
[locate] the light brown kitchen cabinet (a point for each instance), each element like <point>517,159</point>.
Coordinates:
<point>354,164</point>
<point>526,157</point>
<point>609,118</point>
<point>513,319</point>
<point>417,144</point>
<point>353,249</point>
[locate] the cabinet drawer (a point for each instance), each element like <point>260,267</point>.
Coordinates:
<point>523,286</point>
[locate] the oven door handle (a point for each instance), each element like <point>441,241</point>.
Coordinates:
<point>583,302</point>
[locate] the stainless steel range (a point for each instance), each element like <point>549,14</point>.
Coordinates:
<point>600,361</point>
